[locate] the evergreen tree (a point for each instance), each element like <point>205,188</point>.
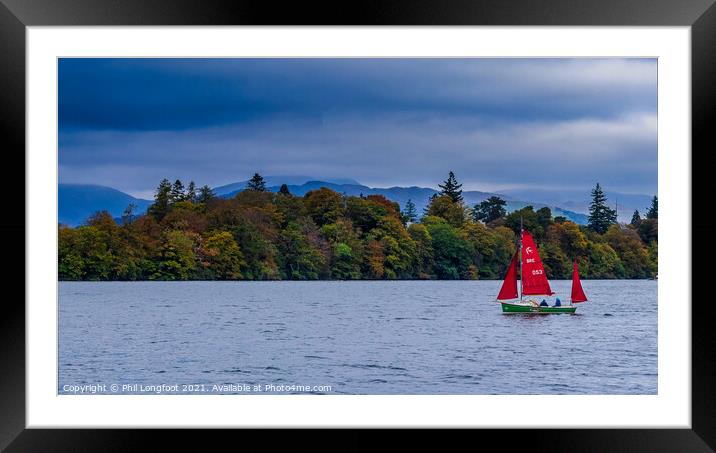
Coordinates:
<point>653,212</point>
<point>491,209</point>
<point>162,200</point>
<point>410,214</point>
<point>205,194</point>
<point>635,219</point>
<point>451,188</point>
<point>128,213</point>
<point>601,216</point>
<point>284,190</point>
<point>177,192</point>
<point>191,192</point>
<point>256,183</point>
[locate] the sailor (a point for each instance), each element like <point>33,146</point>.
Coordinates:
<point>543,303</point>
<point>558,303</point>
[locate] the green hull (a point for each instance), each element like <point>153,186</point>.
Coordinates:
<point>519,308</point>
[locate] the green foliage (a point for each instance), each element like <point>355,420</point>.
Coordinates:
<point>410,214</point>
<point>222,256</point>
<point>397,248</point>
<point>162,200</point>
<point>601,216</point>
<point>347,248</point>
<point>452,253</point>
<point>176,258</point>
<point>364,214</point>
<point>532,221</point>
<point>205,194</point>
<point>258,235</point>
<point>632,252</point>
<point>177,192</point>
<point>444,207</point>
<point>603,262</point>
<point>424,254</point>
<point>301,259</point>
<point>648,230</point>
<point>569,238</point>
<point>489,210</point>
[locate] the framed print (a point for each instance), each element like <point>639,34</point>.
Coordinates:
<point>232,221</point>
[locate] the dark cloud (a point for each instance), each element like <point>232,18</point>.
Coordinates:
<point>127,123</point>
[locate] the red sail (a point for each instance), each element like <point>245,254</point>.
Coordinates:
<point>509,286</point>
<point>577,291</point>
<point>534,280</point>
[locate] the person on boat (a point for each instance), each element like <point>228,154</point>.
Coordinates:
<point>558,303</point>
<point>543,303</point>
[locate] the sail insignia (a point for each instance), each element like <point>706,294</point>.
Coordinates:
<point>534,278</point>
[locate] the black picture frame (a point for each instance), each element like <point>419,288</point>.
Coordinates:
<point>16,15</point>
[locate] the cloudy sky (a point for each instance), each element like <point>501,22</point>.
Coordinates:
<point>498,123</point>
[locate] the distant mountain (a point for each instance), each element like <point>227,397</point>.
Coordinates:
<point>419,195</point>
<point>578,201</point>
<point>77,202</point>
<point>277,181</point>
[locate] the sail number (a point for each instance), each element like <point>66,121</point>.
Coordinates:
<point>529,260</point>
<point>537,272</point>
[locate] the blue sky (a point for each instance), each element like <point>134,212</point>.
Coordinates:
<point>498,123</point>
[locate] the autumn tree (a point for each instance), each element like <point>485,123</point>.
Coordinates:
<point>222,256</point>
<point>259,235</point>
<point>324,205</point>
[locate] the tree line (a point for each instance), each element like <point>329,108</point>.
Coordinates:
<point>191,234</point>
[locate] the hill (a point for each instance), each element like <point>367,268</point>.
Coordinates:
<point>77,202</point>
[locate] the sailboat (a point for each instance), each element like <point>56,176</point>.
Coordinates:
<point>534,282</point>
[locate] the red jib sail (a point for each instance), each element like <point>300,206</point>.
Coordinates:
<point>577,291</point>
<point>509,286</point>
<point>534,280</point>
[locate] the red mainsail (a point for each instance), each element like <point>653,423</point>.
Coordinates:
<point>577,291</point>
<point>509,286</point>
<point>534,280</point>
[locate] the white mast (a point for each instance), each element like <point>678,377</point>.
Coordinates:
<point>520,258</point>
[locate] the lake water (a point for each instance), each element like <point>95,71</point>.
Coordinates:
<point>399,337</point>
